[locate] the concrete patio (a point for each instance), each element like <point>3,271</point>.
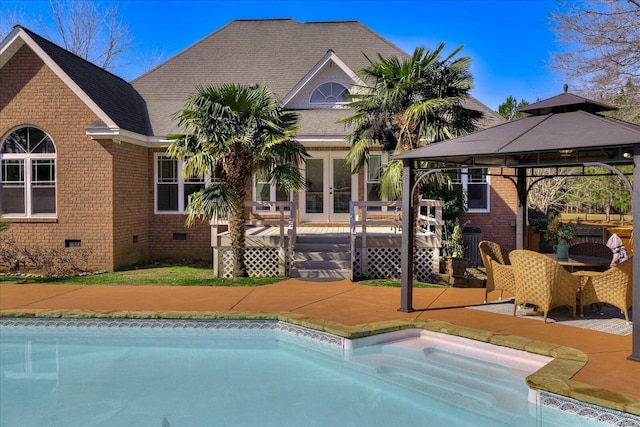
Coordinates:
<point>598,372</point>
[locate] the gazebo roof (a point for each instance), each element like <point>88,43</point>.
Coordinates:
<point>563,130</point>
<point>564,103</point>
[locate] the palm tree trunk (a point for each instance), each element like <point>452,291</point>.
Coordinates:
<point>238,244</point>
<point>239,167</point>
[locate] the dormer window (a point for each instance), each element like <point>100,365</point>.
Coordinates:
<point>330,93</point>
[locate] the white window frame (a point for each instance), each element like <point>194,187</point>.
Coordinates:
<point>273,191</point>
<point>465,182</point>
<point>384,159</point>
<point>328,103</point>
<point>27,164</point>
<point>181,182</point>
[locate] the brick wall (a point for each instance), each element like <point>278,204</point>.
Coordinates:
<point>130,203</point>
<point>31,94</point>
<point>162,227</point>
<point>499,225</point>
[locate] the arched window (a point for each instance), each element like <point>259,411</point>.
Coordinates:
<point>330,93</point>
<point>28,160</point>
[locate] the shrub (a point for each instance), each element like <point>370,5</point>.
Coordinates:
<point>541,219</point>
<point>45,261</point>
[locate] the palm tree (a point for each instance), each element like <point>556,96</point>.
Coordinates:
<point>232,132</point>
<point>408,102</point>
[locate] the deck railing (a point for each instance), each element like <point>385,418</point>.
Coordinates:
<point>372,214</point>
<point>284,218</point>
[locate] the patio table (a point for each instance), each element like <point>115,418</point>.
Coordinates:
<point>582,262</point>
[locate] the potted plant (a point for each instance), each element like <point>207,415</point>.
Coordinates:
<point>558,234</point>
<point>453,251</point>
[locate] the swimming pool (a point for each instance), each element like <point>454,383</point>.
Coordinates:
<point>186,373</point>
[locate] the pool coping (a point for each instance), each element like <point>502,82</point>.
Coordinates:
<point>555,377</point>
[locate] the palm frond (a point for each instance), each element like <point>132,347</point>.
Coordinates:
<point>358,154</point>
<point>213,201</point>
<point>391,180</point>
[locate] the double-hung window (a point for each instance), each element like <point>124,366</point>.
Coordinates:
<point>265,192</point>
<point>172,190</point>
<point>372,184</point>
<point>475,187</point>
<point>28,175</point>
<point>373,173</point>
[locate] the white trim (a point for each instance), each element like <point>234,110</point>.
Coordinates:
<point>384,159</point>
<point>21,33</point>
<point>156,156</point>
<point>464,181</point>
<point>325,104</point>
<point>12,43</point>
<point>19,37</point>
<point>323,141</point>
<point>27,164</point>
<point>120,135</point>
<point>329,56</point>
<point>181,182</point>
<point>326,216</point>
<point>272,196</point>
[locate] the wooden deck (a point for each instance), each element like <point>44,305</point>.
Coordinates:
<point>368,246</point>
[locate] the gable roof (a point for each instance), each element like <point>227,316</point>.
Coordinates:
<point>280,52</point>
<point>112,99</point>
<point>329,57</point>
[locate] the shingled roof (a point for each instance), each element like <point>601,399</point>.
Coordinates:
<point>279,52</point>
<point>113,95</point>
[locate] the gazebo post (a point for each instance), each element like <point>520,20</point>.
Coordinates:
<point>407,240</point>
<point>521,210</point>
<point>635,211</point>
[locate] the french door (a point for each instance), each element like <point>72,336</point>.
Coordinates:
<point>330,188</point>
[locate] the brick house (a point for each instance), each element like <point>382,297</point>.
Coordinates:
<point>83,151</point>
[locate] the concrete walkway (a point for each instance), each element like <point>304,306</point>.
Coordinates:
<point>346,303</point>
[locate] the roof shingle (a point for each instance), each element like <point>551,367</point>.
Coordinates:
<point>279,52</point>
<point>117,98</point>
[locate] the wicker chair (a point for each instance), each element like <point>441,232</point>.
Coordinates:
<point>498,268</point>
<point>613,286</point>
<point>591,249</point>
<point>543,282</point>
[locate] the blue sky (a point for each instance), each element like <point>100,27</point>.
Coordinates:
<point>509,41</point>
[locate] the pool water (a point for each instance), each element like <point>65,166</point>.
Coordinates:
<point>163,377</point>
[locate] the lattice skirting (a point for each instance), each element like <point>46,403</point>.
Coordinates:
<point>384,263</point>
<point>260,262</point>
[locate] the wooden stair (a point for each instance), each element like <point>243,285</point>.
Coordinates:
<point>322,257</point>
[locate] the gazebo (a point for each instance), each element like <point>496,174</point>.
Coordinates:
<point>563,131</point>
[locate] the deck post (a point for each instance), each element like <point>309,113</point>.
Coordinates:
<point>364,252</point>
<point>407,240</point>
<point>214,244</point>
<point>635,210</point>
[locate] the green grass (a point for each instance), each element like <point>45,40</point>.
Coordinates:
<point>161,275</point>
<point>177,275</point>
<point>597,218</point>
